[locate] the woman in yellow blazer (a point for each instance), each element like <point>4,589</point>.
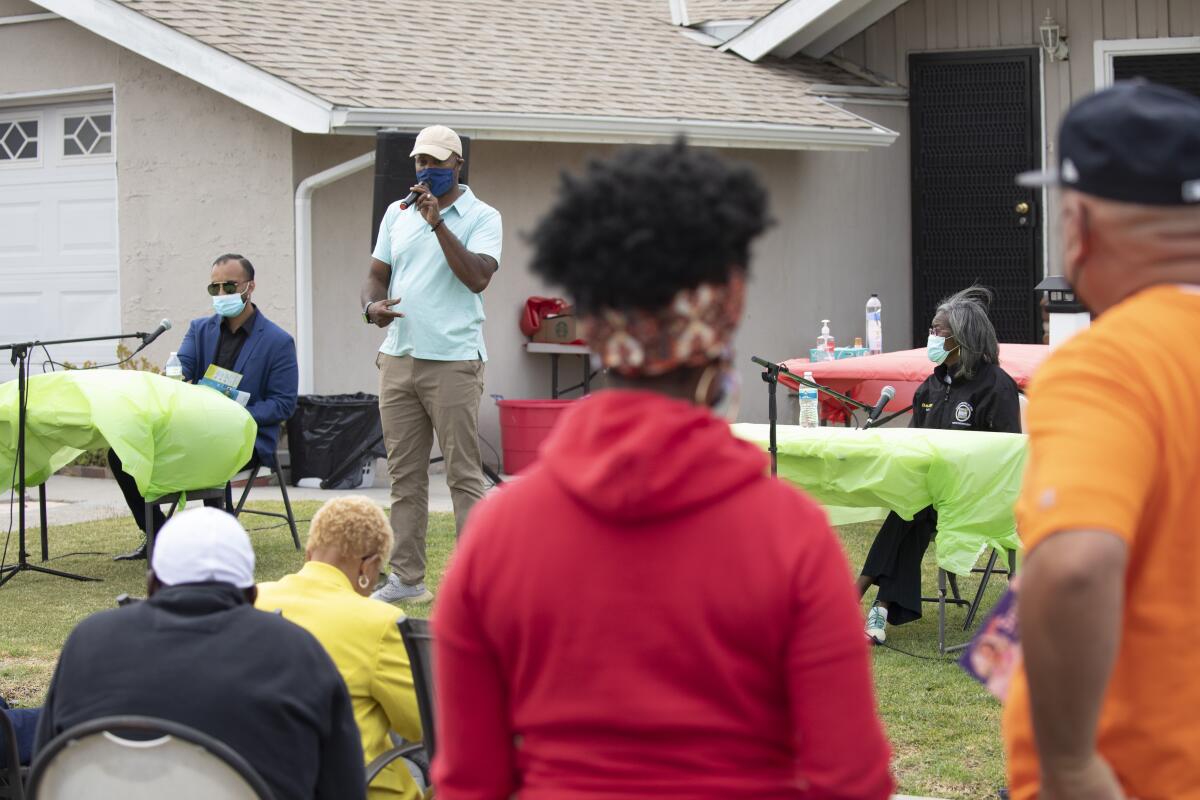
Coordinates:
<point>349,540</point>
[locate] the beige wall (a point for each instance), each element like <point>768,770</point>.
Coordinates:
<point>16,8</point>
<point>842,233</point>
<point>197,174</point>
<point>947,25</point>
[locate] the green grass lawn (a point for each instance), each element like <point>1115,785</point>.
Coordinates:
<point>944,727</point>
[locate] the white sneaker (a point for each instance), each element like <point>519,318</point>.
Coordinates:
<point>876,623</point>
<point>393,591</point>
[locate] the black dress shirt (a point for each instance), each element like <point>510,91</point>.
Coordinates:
<point>229,343</point>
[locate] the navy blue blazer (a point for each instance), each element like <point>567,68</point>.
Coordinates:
<point>267,365</point>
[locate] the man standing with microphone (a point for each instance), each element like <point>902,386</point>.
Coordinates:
<point>432,261</point>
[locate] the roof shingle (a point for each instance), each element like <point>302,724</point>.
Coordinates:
<point>599,57</point>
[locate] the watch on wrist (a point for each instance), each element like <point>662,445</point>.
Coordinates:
<point>367,312</point>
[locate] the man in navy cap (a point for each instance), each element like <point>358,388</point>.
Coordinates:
<point>1105,704</point>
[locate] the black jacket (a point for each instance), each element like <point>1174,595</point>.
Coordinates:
<point>199,654</point>
<point>986,402</point>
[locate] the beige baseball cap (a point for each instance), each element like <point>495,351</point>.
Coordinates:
<point>437,141</point>
<point>203,545</point>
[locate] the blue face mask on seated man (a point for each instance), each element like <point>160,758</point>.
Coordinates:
<point>439,179</point>
<point>228,305</point>
<point>936,349</point>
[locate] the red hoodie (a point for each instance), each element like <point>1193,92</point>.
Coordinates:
<point>646,613</point>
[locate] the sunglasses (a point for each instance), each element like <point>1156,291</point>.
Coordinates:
<point>225,287</point>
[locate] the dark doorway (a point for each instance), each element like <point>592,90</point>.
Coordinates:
<point>976,123</point>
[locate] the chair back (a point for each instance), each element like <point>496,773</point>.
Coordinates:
<point>10,763</point>
<point>141,758</point>
<point>418,641</point>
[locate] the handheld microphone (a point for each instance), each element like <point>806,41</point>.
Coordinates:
<point>885,397</point>
<point>412,197</point>
<point>147,338</point>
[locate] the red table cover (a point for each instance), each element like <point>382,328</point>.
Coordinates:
<point>864,378</point>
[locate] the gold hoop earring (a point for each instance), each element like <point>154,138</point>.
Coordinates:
<point>705,384</point>
<point>363,581</point>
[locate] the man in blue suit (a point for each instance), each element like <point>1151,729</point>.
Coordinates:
<point>237,337</point>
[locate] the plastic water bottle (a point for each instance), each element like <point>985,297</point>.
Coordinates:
<point>874,325</point>
<point>173,369</point>
<point>810,413</point>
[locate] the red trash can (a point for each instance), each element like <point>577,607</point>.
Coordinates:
<point>524,425</point>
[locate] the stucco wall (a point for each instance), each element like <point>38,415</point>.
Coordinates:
<point>842,233</point>
<point>197,175</point>
<point>14,8</point>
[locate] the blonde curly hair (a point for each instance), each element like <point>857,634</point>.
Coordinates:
<point>354,526</point>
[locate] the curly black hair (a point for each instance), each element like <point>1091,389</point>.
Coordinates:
<point>645,223</point>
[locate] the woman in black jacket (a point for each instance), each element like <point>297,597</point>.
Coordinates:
<point>968,391</point>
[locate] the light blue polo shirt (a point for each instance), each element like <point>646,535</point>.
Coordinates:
<point>443,319</point>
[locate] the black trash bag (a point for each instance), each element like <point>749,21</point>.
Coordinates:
<point>333,437</point>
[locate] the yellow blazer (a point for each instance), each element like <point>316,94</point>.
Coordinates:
<point>361,637</point>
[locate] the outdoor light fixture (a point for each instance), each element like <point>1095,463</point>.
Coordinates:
<point>1067,315</point>
<point>1053,41</point>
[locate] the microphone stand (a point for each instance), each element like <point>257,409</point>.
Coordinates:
<point>19,358</point>
<point>771,377</point>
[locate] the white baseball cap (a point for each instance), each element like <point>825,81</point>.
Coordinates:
<point>201,546</point>
<point>437,141</point>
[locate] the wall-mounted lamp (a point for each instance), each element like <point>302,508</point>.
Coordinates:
<point>1053,40</point>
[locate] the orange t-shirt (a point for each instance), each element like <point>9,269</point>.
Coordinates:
<point>1114,435</point>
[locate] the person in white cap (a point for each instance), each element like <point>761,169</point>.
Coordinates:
<point>431,263</point>
<point>197,652</point>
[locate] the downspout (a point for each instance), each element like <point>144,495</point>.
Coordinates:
<point>304,258</point>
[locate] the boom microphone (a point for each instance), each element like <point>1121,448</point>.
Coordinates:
<point>412,196</point>
<point>885,397</point>
<point>147,338</point>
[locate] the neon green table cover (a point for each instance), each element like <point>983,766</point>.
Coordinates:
<point>971,478</point>
<point>171,436</point>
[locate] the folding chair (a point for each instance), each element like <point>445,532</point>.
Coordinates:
<point>224,494</point>
<point>418,641</point>
<point>945,577</point>
<point>238,509</point>
<point>172,502</point>
<point>99,759</point>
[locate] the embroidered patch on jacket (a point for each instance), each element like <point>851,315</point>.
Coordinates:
<point>962,412</point>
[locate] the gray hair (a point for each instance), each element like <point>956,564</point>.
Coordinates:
<point>966,314</point>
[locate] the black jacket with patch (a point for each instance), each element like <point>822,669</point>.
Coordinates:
<point>986,402</point>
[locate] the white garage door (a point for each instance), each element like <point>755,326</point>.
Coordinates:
<point>58,231</point>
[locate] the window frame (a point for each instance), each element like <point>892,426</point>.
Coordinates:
<point>1106,50</point>
<point>26,116</point>
<point>85,111</point>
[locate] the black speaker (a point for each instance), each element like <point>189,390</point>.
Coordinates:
<point>395,173</point>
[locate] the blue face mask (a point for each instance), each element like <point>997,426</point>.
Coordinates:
<point>228,305</point>
<point>936,349</point>
<point>440,179</point>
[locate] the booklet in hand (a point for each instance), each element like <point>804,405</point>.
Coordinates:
<point>226,382</point>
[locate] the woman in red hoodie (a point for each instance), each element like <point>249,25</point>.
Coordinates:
<point>646,613</point>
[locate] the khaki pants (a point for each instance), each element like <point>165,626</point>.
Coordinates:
<point>416,398</point>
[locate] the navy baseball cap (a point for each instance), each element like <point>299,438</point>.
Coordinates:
<point>1134,142</point>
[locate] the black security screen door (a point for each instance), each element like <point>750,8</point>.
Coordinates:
<point>975,126</point>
